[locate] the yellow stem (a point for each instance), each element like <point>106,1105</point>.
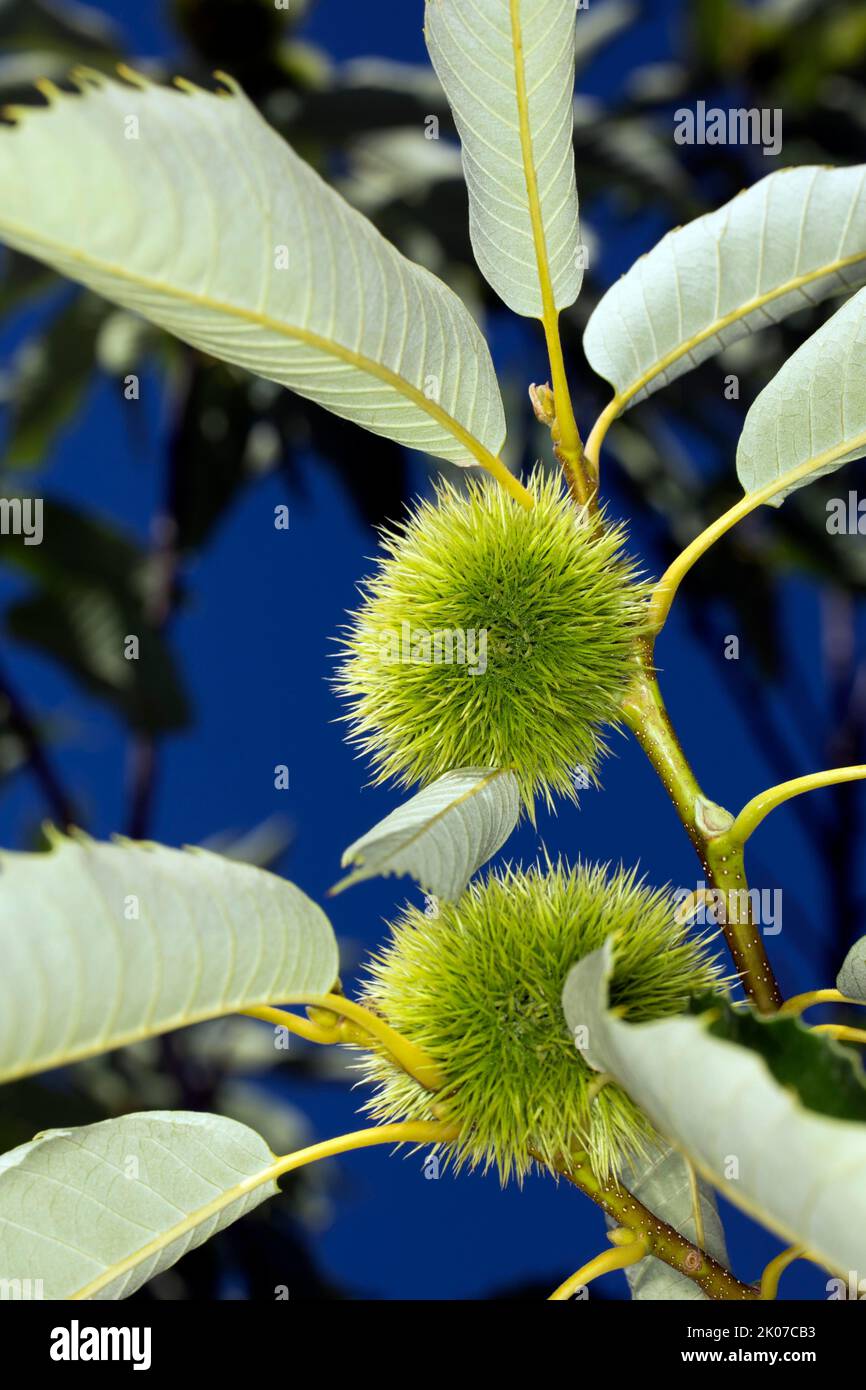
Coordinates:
<point>799,1002</point>
<point>608,1260</point>
<point>598,432</point>
<point>760,806</point>
<point>512,485</point>
<point>406,1132</point>
<point>411,1058</point>
<point>840,1032</point>
<point>303,1027</point>
<point>776,1268</point>
<point>566,435</point>
<point>663,1241</point>
<point>673,576</point>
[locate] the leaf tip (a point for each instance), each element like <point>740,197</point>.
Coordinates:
<point>48,89</point>
<point>183,84</point>
<point>234,87</point>
<point>341,884</point>
<point>137,79</point>
<point>84,77</point>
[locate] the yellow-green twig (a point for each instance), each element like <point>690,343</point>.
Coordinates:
<point>707,826</point>
<point>410,1057</point>
<point>598,432</point>
<point>776,1268</point>
<point>665,1243</point>
<point>619,1258</point>
<point>409,1132</point>
<point>674,575</point>
<point>406,1132</point>
<point>760,806</point>
<point>840,1032</point>
<point>798,1003</point>
<point>303,1027</point>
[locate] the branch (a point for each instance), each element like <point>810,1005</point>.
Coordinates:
<point>663,1241</point>
<point>334,1019</point>
<point>706,825</point>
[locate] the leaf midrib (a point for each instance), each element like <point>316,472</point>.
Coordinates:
<point>741,312</point>
<point>181,1228</point>
<point>327,345</point>
<point>112,1042</point>
<point>529,173</point>
<point>422,1132</point>
<point>437,816</point>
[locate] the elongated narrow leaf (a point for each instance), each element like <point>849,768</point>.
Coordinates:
<point>662,1183</point>
<point>443,834</point>
<point>86,630</point>
<point>95,1212</point>
<point>812,417</point>
<point>851,979</point>
<point>103,945</point>
<point>187,207</point>
<point>507,67</point>
<point>792,239</point>
<point>775,1114</point>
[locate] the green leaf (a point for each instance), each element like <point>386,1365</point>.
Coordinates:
<point>22,279</point>
<point>79,548</point>
<point>811,418</point>
<point>442,835</point>
<point>793,238</point>
<point>508,72</point>
<point>662,1183</point>
<point>773,1113</point>
<point>825,1077</point>
<point>95,1212</point>
<point>95,586</point>
<point>106,944</point>
<point>851,979</point>
<point>92,597</point>
<point>73,29</point>
<point>85,629</point>
<point>247,255</point>
<point>52,372</point>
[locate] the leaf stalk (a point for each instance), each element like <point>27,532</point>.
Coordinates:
<point>619,1258</point>
<point>335,1019</point>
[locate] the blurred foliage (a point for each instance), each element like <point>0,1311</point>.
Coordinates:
<point>670,462</point>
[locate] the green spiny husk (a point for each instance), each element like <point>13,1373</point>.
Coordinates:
<point>479,987</point>
<point>561,606</point>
